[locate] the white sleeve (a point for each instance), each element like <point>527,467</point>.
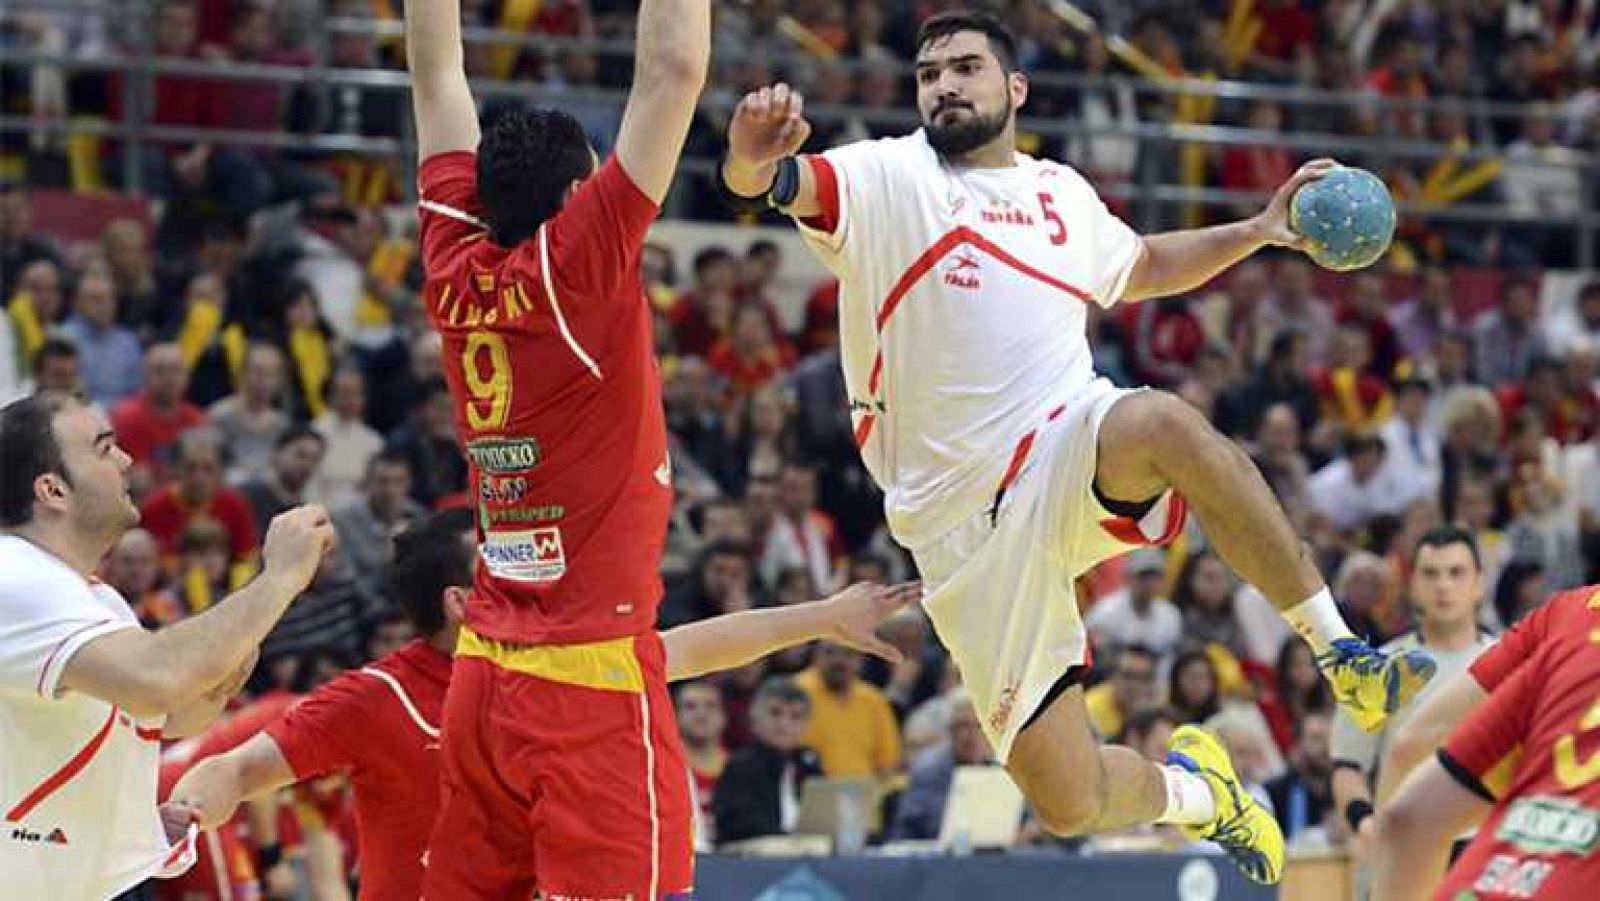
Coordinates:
<point>42,625</point>
<point>1117,249</point>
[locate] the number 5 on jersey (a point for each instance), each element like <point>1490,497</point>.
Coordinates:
<point>1058,227</point>
<point>486,369</point>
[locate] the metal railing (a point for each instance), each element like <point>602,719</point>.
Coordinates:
<point>1155,194</point>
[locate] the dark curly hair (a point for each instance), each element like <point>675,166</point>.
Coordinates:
<point>526,162</point>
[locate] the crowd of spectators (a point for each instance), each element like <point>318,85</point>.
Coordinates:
<point>259,345</point>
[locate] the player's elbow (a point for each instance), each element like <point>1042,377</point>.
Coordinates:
<point>150,693</point>
<point>676,70</point>
<point>1401,819</point>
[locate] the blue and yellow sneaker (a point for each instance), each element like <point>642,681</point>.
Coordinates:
<point>1242,827</point>
<point>1372,685</point>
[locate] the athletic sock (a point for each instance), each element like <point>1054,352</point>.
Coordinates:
<point>1189,798</point>
<point>1317,620</point>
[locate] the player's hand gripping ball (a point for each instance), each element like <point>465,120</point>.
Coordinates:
<point>1347,218</point>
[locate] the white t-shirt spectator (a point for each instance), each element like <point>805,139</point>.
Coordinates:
<point>1349,504</point>
<point>1114,621</point>
<point>77,775</point>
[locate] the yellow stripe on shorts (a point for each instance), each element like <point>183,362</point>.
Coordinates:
<point>603,665</point>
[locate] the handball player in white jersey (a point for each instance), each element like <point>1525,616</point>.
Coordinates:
<point>1009,467</point>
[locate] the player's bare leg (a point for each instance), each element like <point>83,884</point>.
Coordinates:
<point>1079,787</point>
<point>1153,441</point>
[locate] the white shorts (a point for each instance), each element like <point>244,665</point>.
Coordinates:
<point>999,588</point>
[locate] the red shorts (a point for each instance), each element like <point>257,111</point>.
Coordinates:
<point>563,775</point>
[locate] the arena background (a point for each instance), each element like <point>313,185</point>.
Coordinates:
<point>236,178</point>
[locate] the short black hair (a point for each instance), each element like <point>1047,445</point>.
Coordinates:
<point>527,160</point>
<point>428,558</point>
<point>296,432</point>
<point>782,689</point>
<point>54,349</point>
<point>28,449</point>
<point>1001,40</point>
<point>389,456</point>
<point>711,256</point>
<point>1444,536</point>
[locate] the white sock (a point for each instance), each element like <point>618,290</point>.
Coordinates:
<point>1189,798</point>
<point>1317,620</point>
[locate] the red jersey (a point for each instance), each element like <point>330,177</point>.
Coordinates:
<point>166,514</point>
<point>381,725</point>
<point>148,435</point>
<point>550,359</point>
<point>1534,750</point>
<point>1575,612</point>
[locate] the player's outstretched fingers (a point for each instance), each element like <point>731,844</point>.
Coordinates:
<point>780,100</point>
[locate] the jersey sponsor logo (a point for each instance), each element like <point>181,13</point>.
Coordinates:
<point>505,456</point>
<point>963,272</point>
<point>535,555</point>
<point>1002,710</point>
<point>1550,826</point>
<point>53,837</point>
<point>502,489</point>
<point>1506,875</point>
<point>664,471</point>
<point>523,515</point>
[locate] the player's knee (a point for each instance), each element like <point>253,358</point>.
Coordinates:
<point>1161,420</point>
<point>1072,813</point>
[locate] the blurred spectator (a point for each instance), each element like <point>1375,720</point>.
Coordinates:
<point>428,442</point>
<point>1353,399</point>
<point>920,671</point>
<point>34,307</point>
<point>149,423</point>
<point>1137,614</point>
<point>1278,456</point>
<point>921,812</point>
<point>764,440</point>
<point>1131,687</point>
<point>1192,689</point>
<point>1357,487</point>
<point>348,110</point>
<point>1507,340</point>
<point>126,246</point>
<point>350,441</point>
<point>1229,318</point>
<point>133,568</point>
<point>1470,421</point>
<point>391,631</point>
<point>801,535</point>
<point>1521,81</point>
<point>1419,322</point>
<point>334,612</point>
<point>1567,412</point>
<point>1519,591</point>
<point>853,728</point>
<point>751,356</point>
<point>250,420</point>
<point>718,584</point>
<point>1283,378</point>
<point>308,345</point>
<point>366,527</point>
<point>200,493</point>
<point>1294,305</point>
<point>20,244</point>
<point>1303,796</point>
<point>1258,168</point>
<point>695,417</point>
<point>1164,341</point>
<point>298,453</point>
<point>58,367</point>
<point>112,364</point>
<point>1411,444</point>
<point>204,572</point>
<point>1149,731</point>
<point>1366,310</point>
<point>701,722</point>
<point>704,314</point>
<point>1296,690</point>
<point>1543,530</point>
<point>759,790</point>
<point>1204,595</point>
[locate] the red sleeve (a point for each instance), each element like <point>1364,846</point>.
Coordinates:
<point>1483,750</point>
<point>1519,643</point>
<point>447,204</point>
<point>324,732</point>
<point>827,195</point>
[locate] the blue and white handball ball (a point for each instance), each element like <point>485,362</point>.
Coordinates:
<point>1347,217</point>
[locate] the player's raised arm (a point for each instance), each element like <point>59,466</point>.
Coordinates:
<point>447,118</point>
<point>730,641</point>
<point>669,71</point>
<point>768,127</point>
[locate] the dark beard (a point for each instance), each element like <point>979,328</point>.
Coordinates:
<point>958,140</point>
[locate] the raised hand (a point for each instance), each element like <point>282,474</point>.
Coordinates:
<point>768,125</point>
<point>856,612</point>
<point>1274,220</point>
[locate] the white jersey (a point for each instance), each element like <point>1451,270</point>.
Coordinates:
<point>962,313</point>
<point>77,775</point>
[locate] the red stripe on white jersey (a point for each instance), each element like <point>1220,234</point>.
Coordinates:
<point>50,661</point>
<point>59,779</point>
<point>827,190</point>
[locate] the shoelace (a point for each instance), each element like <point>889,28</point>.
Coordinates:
<point>1353,655</point>
<point>1234,835</point>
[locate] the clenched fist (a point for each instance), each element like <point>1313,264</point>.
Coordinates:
<point>297,541</point>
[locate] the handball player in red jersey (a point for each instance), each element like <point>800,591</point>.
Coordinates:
<point>1525,763</point>
<point>380,723</point>
<point>563,771</point>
